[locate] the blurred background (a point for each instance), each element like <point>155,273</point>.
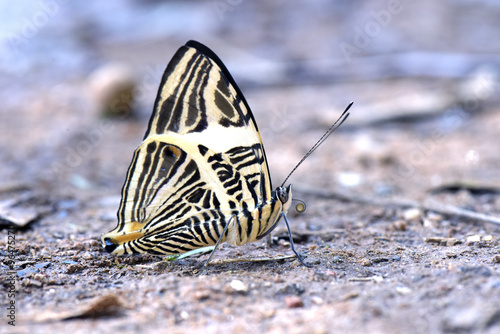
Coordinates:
<point>419,73</point>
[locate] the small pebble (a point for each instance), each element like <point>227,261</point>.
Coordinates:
<point>267,313</point>
<point>238,285</point>
<point>399,225</point>
<point>473,239</point>
<point>366,262</point>
<point>413,214</point>
<point>496,259</point>
<point>349,179</point>
<point>39,277</point>
<point>428,223</point>
<point>202,295</point>
<point>74,268</point>
<point>317,300</point>
<point>113,88</point>
<point>35,283</point>
<point>293,302</point>
<point>434,217</point>
<point>184,315</point>
<point>403,290</point>
<point>337,259</point>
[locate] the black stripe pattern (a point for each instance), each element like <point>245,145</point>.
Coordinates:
<point>201,166</point>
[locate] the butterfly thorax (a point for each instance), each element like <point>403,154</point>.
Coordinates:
<point>256,224</point>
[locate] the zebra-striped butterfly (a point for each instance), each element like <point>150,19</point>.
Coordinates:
<point>200,176</point>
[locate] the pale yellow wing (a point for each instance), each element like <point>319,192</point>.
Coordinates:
<point>202,161</point>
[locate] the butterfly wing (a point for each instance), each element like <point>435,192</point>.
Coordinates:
<point>201,162</point>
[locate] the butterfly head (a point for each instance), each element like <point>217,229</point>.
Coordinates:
<point>284,195</point>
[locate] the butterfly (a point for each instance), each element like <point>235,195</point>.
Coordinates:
<point>200,177</point>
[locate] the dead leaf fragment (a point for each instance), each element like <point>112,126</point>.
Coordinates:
<point>103,306</point>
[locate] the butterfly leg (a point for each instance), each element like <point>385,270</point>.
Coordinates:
<point>291,242</point>
<point>202,270</point>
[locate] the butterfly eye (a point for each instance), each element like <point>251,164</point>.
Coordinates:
<point>282,194</point>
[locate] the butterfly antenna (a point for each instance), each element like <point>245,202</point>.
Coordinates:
<point>332,128</point>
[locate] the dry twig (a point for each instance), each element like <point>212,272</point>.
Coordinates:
<point>427,205</point>
<point>250,259</point>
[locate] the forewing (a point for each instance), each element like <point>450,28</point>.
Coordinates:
<point>199,98</point>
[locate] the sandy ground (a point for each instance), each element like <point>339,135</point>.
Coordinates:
<point>380,264</point>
